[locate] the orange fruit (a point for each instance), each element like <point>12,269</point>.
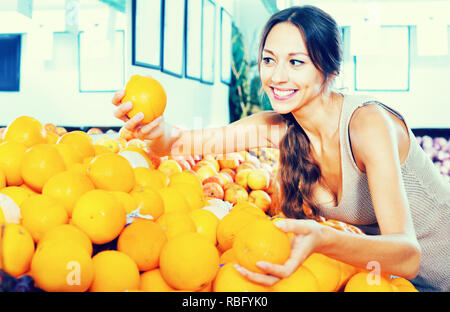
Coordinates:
<point>403,285</point>
<point>142,240</point>
<point>189,261</point>
<point>11,155</point>
<point>79,168</point>
<point>206,223</point>
<point>185,177</point>
<point>69,154</point>
<point>66,187</point>
<point>17,193</point>
<point>326,270</point>
<point>17,249</point>
<point>111,172</point>
<point>248,207</point>
<point>39,164</point>
<point>110,144</point>
<point>174,200</point>
<point>147,95</point>
<point>134,142</point>
<point>347,271</point>
<point>261,240</point>
<point>193,195</point>
<point>169,167</point>
<point>363,282</point>
<point>213,160</point>
<point>152,178</point>
<point>129,203</point>
<point>81,142</point>
<point>152,281</point>
<point>87,160</point>
<point>227,256</point>
<point>302,280</point>
<point>114,271</point>
<point>125,134</point>
<point>2,179</point>
<point>94,131</point>
<point>50,127</point>
<point>40,214</point>
<point>70,234</point>
<point>26,130</point>
<point>230,280</point>
<point>149,202</point>
<point>175,223</point>
<point>230,225</point>
<point>100,149</point>
<point>51,137</point>
<point>28,188</point>
<point>100,215</point>
<point>61,131</point>
<point>59,267</point>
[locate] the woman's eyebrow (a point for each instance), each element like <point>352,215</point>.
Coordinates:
<point>290,54</point>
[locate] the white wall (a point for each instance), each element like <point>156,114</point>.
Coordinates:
<point>190,103</point>
<point>49,90</point>
<point>427,103</point>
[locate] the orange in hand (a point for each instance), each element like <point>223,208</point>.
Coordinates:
<point>147,96</point>
<point>261,240</point>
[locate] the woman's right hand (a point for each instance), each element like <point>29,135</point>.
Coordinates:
<point>133,127</point>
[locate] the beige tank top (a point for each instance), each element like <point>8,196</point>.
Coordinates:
<point>428,196</point>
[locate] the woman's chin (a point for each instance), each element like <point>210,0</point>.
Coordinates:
<point>282,108</point>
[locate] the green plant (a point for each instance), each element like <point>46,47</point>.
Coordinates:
<point>245,96</point>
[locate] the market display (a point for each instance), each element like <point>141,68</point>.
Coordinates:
<point>94,212</point>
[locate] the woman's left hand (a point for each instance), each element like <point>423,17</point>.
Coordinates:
<point>308,238</point>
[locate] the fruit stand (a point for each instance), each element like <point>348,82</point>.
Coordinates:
<point>93,211</point>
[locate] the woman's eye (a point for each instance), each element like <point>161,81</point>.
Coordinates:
<point>296,62</point>
<point>267,60</point>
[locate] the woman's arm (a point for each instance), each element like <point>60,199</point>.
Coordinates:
<point>376,142</point>
<point>394,254</point>
<point>262,129</point>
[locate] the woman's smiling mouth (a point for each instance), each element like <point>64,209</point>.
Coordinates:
<point>282,95</point>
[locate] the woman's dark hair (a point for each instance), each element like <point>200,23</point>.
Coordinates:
<point>298,171</point>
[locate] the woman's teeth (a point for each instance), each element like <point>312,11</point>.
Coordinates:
<point>282,93</point>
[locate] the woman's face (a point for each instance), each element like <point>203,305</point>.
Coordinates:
<point>288,76</point>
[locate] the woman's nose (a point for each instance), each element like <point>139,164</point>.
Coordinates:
<point>279,74</point>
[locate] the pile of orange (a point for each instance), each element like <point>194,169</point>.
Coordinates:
<point>80,216</point>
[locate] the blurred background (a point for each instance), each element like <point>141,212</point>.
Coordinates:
<point>62,60</point>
